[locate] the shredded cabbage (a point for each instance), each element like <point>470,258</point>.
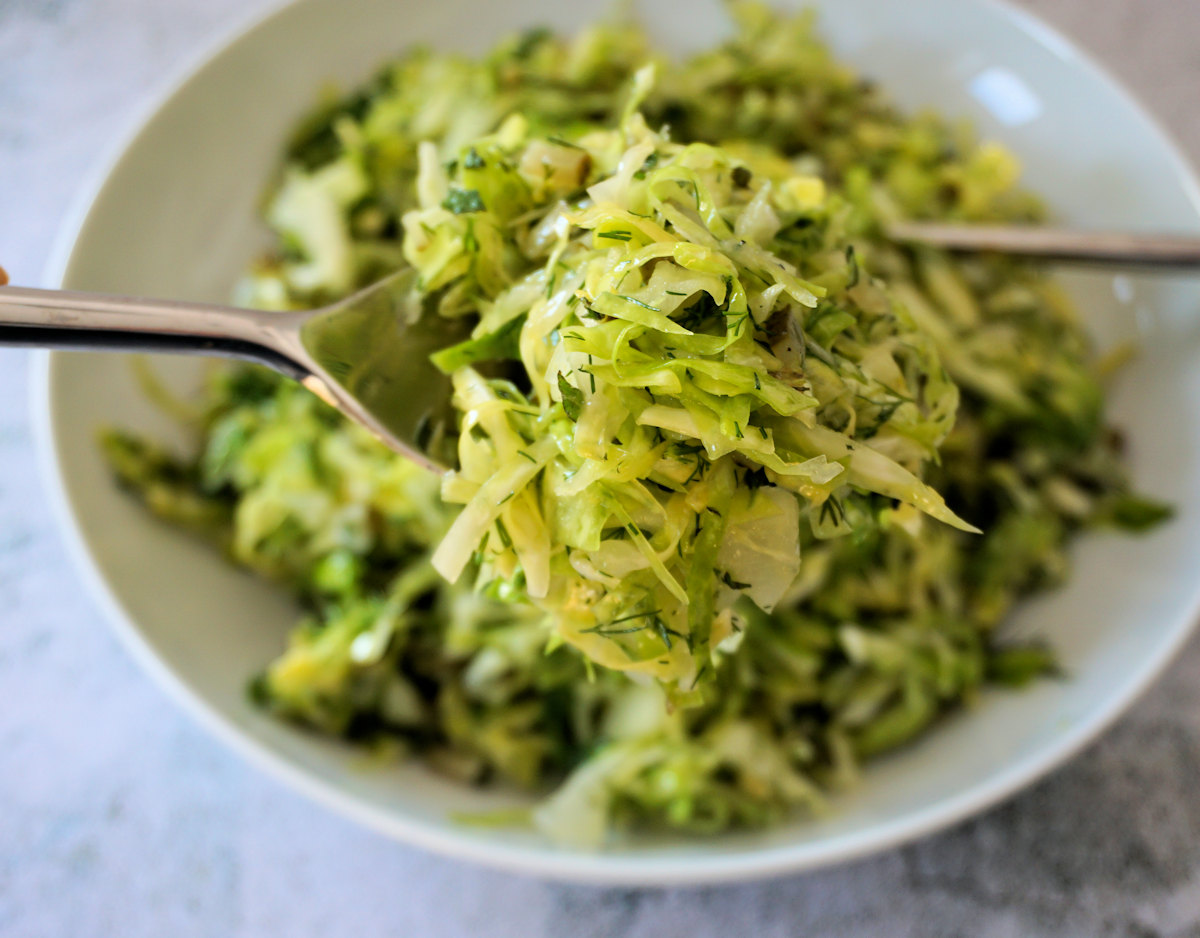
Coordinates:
<point>744,491</point>
<point>657,351</point>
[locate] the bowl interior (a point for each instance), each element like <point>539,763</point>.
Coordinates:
<point>176,217</point>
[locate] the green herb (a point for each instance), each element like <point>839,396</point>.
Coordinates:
<point>463,201</point>
<point>648,164</point>
<point>572,398</point>
<point>636,302</point>
<point>500,345</point>
<point>1137,514</point>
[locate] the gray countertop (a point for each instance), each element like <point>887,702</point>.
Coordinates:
<point>120,817</point>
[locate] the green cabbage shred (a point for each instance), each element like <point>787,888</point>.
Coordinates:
<point>744,491</point>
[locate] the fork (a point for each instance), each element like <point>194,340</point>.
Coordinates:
<point>367,355</point>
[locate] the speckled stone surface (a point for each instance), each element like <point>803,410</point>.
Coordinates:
<point>119,817</point>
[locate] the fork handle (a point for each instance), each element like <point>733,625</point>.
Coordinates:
<point>1109,248</point>
<point>91,321</point>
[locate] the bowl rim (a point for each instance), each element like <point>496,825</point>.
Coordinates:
<point>548,862</point>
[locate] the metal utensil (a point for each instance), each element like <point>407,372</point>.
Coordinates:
<point>1111,249</point>
<point>367,355</point>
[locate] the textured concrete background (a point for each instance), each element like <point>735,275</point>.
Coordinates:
<point>118,817</point>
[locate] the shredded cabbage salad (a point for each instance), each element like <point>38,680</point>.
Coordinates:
<point>743,490</point>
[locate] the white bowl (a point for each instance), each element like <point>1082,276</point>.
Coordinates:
<point>175,216</point>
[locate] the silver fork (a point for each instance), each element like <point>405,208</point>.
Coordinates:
<point>1116,249</point>
<point>368,355</point>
